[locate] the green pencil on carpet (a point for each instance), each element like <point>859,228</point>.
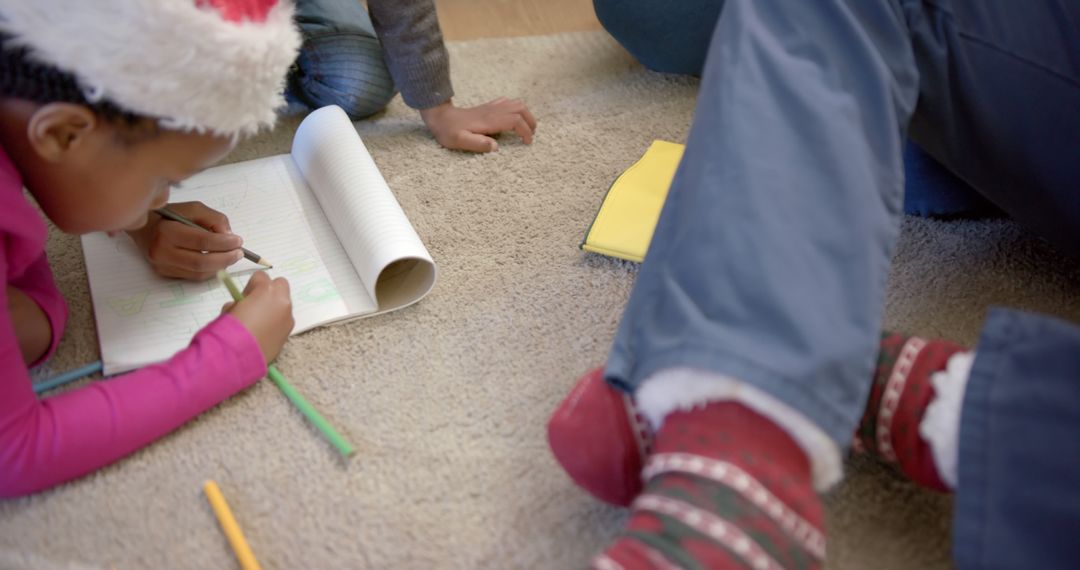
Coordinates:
<point>295,397</point>
<point>248,254</point>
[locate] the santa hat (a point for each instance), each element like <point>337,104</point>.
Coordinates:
<point>214,66</point>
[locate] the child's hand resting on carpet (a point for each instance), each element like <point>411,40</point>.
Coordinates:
<point>466,128</point>
<point>182,252</point>
<point>266,312</point>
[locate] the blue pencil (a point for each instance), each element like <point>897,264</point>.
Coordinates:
<point>66,377</point>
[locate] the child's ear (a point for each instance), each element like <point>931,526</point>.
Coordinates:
<point>57,129</point>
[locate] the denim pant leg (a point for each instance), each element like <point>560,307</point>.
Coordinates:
<point>1017,504</point>
<point>930,190</point>
<point>769,261</point>
<point>669,37</point>
<point>341,61</point>
<point>999,105</point>
<point>674,38</point>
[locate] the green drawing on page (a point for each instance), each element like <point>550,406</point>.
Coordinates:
<point>299,265</point>
<point>318,291</point>
<point>181,296</point>
<point>128,306</point>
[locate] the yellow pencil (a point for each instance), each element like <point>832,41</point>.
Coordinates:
<point>228,524</point>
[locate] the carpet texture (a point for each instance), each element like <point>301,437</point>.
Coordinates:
<point>447,400</point>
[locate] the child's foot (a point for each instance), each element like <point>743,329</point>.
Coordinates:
<point>725,488</point>
<point>600,439</point>
<point>902,390</point>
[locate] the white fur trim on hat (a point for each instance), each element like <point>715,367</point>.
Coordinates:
<point>184,65</point>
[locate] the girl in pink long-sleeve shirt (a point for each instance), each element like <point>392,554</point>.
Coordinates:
<point>103,106</point>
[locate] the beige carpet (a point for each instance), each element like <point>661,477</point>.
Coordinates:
<point>447,400</point>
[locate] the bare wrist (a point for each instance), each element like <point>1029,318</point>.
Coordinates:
<point>433,113</point>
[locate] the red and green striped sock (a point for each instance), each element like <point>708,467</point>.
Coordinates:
<point>902,390</point>
<point>725,488</point>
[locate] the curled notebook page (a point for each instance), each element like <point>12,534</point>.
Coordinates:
<point>391,260</point>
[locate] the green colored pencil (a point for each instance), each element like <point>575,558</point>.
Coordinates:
<point>295,397</point>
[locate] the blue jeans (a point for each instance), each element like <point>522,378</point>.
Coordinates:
<point>341,61</point>
<point>674,38</point>
<point>669,37</point>
<point>770,258</point>
<point>1016,500</point>
<point>931,190</point>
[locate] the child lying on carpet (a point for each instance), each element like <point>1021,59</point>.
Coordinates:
<point>99,116</point>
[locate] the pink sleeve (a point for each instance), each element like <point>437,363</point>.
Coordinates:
<point>46,442</point>
<point>38,284</point>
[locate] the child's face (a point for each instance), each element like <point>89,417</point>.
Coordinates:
<point>87,176</point>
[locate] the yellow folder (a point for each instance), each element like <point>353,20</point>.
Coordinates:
<point>624,225</point>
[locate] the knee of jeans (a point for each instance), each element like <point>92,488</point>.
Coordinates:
<point>362,101</point>
<point>347,71</point>
<point>623,19</point>
<point>649,30</point>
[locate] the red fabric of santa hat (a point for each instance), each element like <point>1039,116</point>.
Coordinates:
<point>196,65</point>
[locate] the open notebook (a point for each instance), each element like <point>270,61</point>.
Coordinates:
<point>625,223</point>
<point>323,215</point>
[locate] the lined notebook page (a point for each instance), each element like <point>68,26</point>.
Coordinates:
<point>143,318</point>
<point>366,216</point>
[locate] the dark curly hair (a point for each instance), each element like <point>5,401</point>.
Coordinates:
<point>23,77</point>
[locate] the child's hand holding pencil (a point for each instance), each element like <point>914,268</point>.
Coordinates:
<point>189,240</point>
<point>294,396</point>
<point>266,312</point>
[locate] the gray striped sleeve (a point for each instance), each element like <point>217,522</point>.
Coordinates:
<point>415,54</point>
